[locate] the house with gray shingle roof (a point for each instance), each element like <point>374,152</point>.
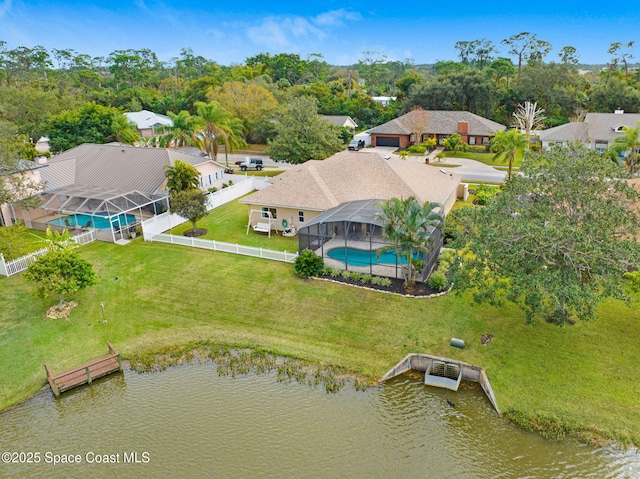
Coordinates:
<point>419,125</point>
<point>303,192</point>
<point>112,182</point>
<point>598,131</point>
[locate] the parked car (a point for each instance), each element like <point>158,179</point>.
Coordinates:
<point>356,145</point>
<point>251,163</point>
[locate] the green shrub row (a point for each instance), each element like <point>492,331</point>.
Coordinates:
<point>438,280</point>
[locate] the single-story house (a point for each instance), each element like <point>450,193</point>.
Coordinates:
<point>341,121</point>
<point>27,174</point>
<point>598,131</point>
<point>383,100</point>
<point>111,187</point>
<point>149,123</point>
<point>301,193</point>
<point>419,125</point>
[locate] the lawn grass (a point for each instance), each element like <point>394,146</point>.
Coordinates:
<point>580,378</point>
<point>27,241</point>
<point>486,158</point>
<point>228,223</point>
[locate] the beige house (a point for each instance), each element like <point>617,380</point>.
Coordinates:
<point>28,174</point>
<point>303,192</point>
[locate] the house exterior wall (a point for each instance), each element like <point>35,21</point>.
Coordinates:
<point>6,215</point>
<point>282,213</point>
<point>404,139</point>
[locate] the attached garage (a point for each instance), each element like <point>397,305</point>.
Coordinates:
<point>388,141</point>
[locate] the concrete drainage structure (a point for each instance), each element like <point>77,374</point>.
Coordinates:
<point>444,372</point>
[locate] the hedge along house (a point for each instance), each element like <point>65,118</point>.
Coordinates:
<point>420,125</point>
<point>299,196</point>
<point>110,188</point>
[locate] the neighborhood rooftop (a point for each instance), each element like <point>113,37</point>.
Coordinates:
<point>349,176</point>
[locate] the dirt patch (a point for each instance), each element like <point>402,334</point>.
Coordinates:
<point>54,313</point>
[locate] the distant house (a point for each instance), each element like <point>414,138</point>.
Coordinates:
<point>597,132</point>
<point>29,174</point>
<point>148,123</point>
<point>301,193</point>
<point>419,125</point>
<point>341,120</point>
<point>383,100</point>
<point>109,186</point>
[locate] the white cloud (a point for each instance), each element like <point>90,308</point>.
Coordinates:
<point>336,18</point>
<point>281,32</point>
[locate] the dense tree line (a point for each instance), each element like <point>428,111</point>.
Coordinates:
<point>41,89</point>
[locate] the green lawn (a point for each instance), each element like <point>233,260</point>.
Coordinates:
<point>228,223</point>
<point>27,241</point>
<point>159,296</point>
<point>486,158</point>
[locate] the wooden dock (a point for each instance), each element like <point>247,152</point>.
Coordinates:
<point>85,373</point>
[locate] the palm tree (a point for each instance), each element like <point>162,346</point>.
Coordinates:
<point>505,144</point>
<point>214,125</point>
<point>181,176</point>
<point>409,229</point>
<point>235,139</point>
<point>630,142</point>
<point>182,131</point>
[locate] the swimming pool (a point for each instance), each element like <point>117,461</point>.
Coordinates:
<point>360,257</point>
<point>100,222</point>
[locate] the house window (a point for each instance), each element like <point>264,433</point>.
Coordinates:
<point>558,143</point>
<point>441,138</point>
<point>485,140</point>
<point>201,181</point>
<point>300,216</point>
<point>412,138</point>
<point>472,140</point>
<point>425,137</point>
<point>601,145</point>
<point>264,212</point>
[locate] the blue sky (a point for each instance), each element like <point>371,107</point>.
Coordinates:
<point>230,31</point>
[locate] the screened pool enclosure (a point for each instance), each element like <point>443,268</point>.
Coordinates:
<point>349,236</point>
<point>114,215</point>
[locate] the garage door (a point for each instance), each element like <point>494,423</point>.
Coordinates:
<point>388,141</point>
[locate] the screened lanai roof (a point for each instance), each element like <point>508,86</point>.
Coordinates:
<point>359,211</point>
<point>96,201</point>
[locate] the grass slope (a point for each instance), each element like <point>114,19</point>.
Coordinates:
<point>582,376</point>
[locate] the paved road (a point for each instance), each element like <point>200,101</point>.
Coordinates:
<point>470,169</point>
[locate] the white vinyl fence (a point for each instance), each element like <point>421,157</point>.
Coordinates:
<point>227,247</point>
<point>8,268</point>
<point>164,222</point>
<point>153,229</point>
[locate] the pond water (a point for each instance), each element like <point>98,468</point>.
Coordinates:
<point>189,422</point>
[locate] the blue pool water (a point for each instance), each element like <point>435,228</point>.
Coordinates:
<point>359,257</point>
<point>99,222</point>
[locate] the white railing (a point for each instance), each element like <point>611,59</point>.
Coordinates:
<point>226,247</point>
<point>165,221</point>
<point>8,268</point>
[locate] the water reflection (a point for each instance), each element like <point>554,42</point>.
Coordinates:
<point>194,423</point>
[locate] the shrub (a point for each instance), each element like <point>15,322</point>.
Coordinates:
<point>484,193</point>
<point>476,149</point>
<point>355,276</point>
<point>308,264</point>
<point>455,143</point>
<point>417,148</point>
<point>430,143</point>
<point>385,281</point>
<point>365,278</point>
<point>447,255</point>
<point>634,279</point>
<point>213,189</point>
<point>376,280</point>
<point>334,273</point>
<point>438,281</point>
